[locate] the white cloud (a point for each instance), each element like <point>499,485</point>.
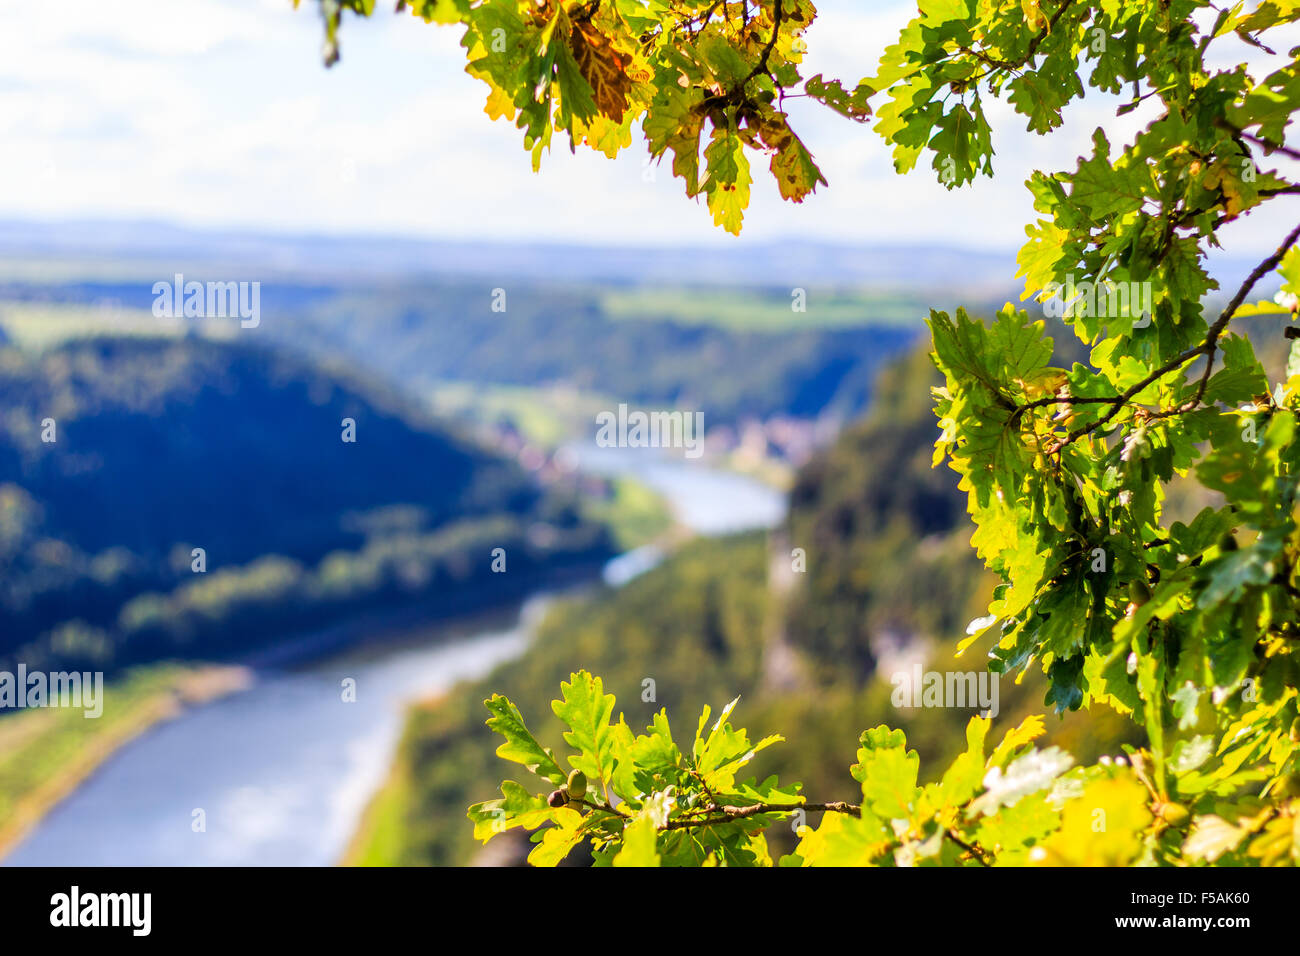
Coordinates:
<point>218,112</point>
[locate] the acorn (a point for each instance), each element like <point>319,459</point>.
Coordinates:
<point>557,798</point>
<point>1138,591</point>
<point>577,785</point>
<point>1174,814</point>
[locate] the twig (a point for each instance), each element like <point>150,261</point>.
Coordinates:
<point>1031,50</point>
<point>761,65</point>
<point>1270,146</point>
<point>713,800</point>
<point>603,808</point>
<point>970,848</point>
<point>737,94</point>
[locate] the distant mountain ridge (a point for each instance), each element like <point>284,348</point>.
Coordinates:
<point>979,271</point>
<point>768,263</point>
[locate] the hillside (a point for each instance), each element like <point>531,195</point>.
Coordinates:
<point>164,446</point>
<point>885,534</point>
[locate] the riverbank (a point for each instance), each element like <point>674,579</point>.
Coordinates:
<point>379,836</point>
<point>46,754</point>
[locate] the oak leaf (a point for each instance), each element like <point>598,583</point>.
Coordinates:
<point>603,67</point>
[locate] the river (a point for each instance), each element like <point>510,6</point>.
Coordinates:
<point>282,771</point>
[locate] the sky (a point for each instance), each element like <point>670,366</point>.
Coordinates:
<point>218,113</point>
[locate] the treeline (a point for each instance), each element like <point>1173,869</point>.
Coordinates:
<point>185,497</point>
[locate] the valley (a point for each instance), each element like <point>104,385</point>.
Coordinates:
<point>800,550</point>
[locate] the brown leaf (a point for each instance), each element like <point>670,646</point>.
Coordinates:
<point>603,67</point>
<point>792,165</point>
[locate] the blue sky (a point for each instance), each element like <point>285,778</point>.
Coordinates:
<point>218,113</point>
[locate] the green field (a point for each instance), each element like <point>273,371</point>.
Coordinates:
<point>765,311</point>
<point>38,327</point>
<point>546,416</point>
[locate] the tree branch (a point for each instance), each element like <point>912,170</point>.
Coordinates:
<point>1031,50</point>
<point>1211,343</point>
<point>737,94</point>
<point>1206,348</point>
<point>761,65</point>
<point>603,808</point>
<point>731,814</point>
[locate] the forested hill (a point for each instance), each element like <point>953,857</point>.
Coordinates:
<point>235,450</point>
<point>730,355</point>
<point>885,532</point>
<point>160,447</point>
<point>639,347</point>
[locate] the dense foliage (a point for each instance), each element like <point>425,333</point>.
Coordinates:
<point>1188,626</point>
<point>645,800</point>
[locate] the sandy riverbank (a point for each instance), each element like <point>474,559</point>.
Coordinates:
<point>46,754</point>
